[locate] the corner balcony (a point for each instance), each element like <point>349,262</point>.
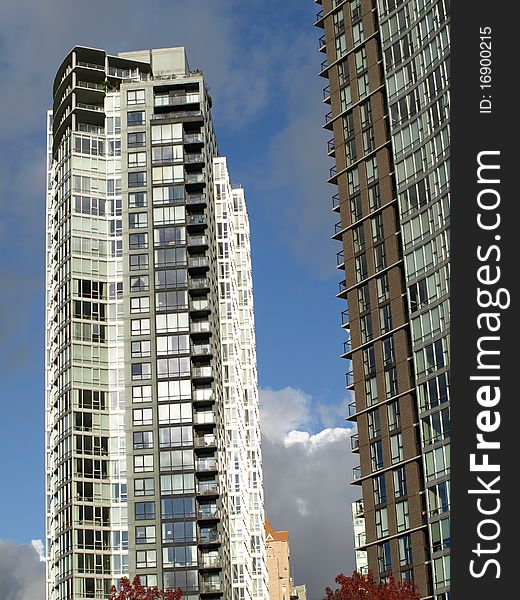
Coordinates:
<point>331,149</point>
<point>198,264</point>
<point>201,351</point>
<point>196,200</point>
<point>205,441</point>
<point>208,513</point>
<point>356,476</point>
<point>319,19</point>
<point>201,306</point>
<point>208,537</point>
<point>351,411</point>
<point>206,465</point>
<point>197,241</point>
<point>202,374</point>
<point>211,587</point>
<point>354,442</point>
<point>358,508</point>
<point>345,319</point>
<point>199,285</point>
<point>196,222</point>
<point>200,328</point>
<point>322,46</point>
<point>342,286</point>
<point>349,380</point>
<point>194,139</point>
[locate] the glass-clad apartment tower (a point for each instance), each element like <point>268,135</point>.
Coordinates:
<point>153,457</point>
<point>387,65</point>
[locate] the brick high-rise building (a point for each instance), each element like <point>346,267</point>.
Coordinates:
<point>387,65</point>
<point>153,457</point>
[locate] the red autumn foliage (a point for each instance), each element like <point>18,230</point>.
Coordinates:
<point>135,591</point>
<point>363,587</point>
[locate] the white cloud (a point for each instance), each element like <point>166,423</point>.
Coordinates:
<point>306,478</point>
<point>22,572</point>
<point>40,549</point>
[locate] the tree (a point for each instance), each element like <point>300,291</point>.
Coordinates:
<point>363,587</point>
<point>135,591</point>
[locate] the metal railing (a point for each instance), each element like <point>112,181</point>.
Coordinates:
<point>197,240</point>
<point>95,107</point>
<point>194,138</point>
<point>89,65</point>
<point>198,261</point>
<point>198,284</point>
<point>196,199</point>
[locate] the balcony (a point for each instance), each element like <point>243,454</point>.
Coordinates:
<point>194,138</point>
<point>177,99</point>
<point>205,441</point>
<point>319,19</point>
<point>203,395</point>
<point>333,175</point>
<point>208,489</point>
<point>95,107</point>
<point>339,230</point>
<point>349,380</point>
<point>196,199</point>
<point>202,373</point>
<point>191,159</point>
<point>354,442</point>
<point>201,351</point>
<point>89,65</point>
<point>342,286</point>
<point>328,121</point>
<point>200,306</point>
<point>200,327</point>
<point>322,44</point>
<point>208,514</point>
<point>331,148</point>
<point>194,178</point>
<point>206,464</point>
<point>335,202</point>
<point>196,222</point>
<point>198,263</point>
<point>91,86</point>
<point>209,537</point>
<point>351,411</point>
<point>177,115</point>
<point>356,473</point>
<point>210,587</point>
<point>360,540</point>
<point>345,319</point>
<point>326,94</point>
<point>340,259</point>
<point>347,349</point>
<point>358,508</point>
<point>324,68</point>
<point>209,562</point>
<point>199,285</point>
<point>198,241</point>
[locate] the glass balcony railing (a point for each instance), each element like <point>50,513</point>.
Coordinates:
<point>197,284</point>
<point>204,441</point>
<point>345,319</point>
<point>200,327</point>
<point>354,442</point>
<point>194,138</point>
<point>198,261</point>
<point>206,464</point>
<point>89,65</point>
<point>197,240</point>
<point>351,409</point>
<point>340,258</point>
<point>356,473</point>
<point>194,178</point>
<point>196,199</point>
<point>342,286</point>
<point>207,489</point>
<point>202,372</point>
<point>196,220</point>
<point>193,158</point>
<point>349,379</point>
<point>358,508</point>
<point>347,346</point>
<point>331,146</point>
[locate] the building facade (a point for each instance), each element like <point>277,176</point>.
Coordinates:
<point>153,457</point>
<point>388,91</point>
<point>281,585</point>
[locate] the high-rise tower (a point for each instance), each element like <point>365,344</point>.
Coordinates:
<point>153,454</point>
<point>387,66</point>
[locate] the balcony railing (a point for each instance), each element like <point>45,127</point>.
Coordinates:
<point>342,286</point>
<point>331,147</point>
<point>208,537</point>
<point>197,240</point>
<point>201,350</point>
<point>210,587</point>
<point>360,540</point>
<point>356,473</point>
<point>206,464</point>
<point>95,107</point>
<point>194,138</point>
<point>198,261</point>
<point>208,513</point>
<point>349,379</point>
<point>200,327</point>
<point>199,305</point>
<point>347,346</point>
<point>200,283</point>
<point>176,115</point>
<point>326,93</point>
<point>354,442</point>
<point>194,178</point>
<point>351,409</point>
<point>193,158</point>
<point>345,319</point>
<point>201,372</point>
<point>196,199</point>
<point>176,100</point>
<point>358,508</point>
<point>89,65</point>
<point>90,85</point>
<point>209,489</point>
<point>204,441</point>
<point>209,562</point>
<point>321,43</point>
<point>196,220</point>
<point>340,258</point>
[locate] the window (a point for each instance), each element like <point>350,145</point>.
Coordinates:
<point>361,267</point>
<point>171,278</point>
<point>353,181</point>
<point>383,556</point>
<point>144,511</point>
<point>356,209</point>
<point>142,348</point>
<point>383,288</point>
<point>137,200</point>
<point>439,498</point>
<point>136,159</point>
<point>143,439</point>
<point>169,236</point>
<point>363,297</point>
<point>166,301</point>
<point>177,508</point>
<point>394,416</point>
<point>366,328</point>
<point>400,482</point>
<point>369,361</point>
<point>396,448</point>
<point>141,371</point>
<point>180,483</point>
<point>142,393</point>
<point>171,194</point>
<point>137,220</point>
<point>171,257</point>
<point>139,284</point>
<point>437,462</point>
<point>374,423</point>
<point>178,556</point>
<point>436,426</point>
<point>135,97</point>
<point>144,487</point>
<point>170,174</point>
<point>138,262</point>
<point>135,117</point>
<point>379,489</point>
<point>405,551</point>
<point>377,228</point>
<point>341,44</point>
<point>173,367</point>
<point>371,390</point>
<point>173,344</point>
<point>381,522</point>
<point>171,437</point>
<point>167,154</point>
<point>358,234</point>
<point>345,96</point>
<point>376,455</point>
<point>174,390</point>
<point>137,179</point>
<point>138,241</point>
<point>401,515</point>
<point>142,416</point>
<point>374,196</point>
<point>388,351</point>
<point>167,215</point>
<point>441,534</point>
<point>177,460</point>
<point>146,558</point>
<point>175,413</point>
<point>385,319</point>
<point>162,134</point>
<point>145,534</point>
<point>391,382</point>
<point>136,139</point>
<point>143,463</point>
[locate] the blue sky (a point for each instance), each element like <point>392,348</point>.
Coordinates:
<point>261,61</point>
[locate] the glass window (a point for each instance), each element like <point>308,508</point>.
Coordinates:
<point>135,117</point>
<point>136,139</point>
<point>400,482</point>
<point>379,489</point>
<point>137,179</point>
<point>135,97</point>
